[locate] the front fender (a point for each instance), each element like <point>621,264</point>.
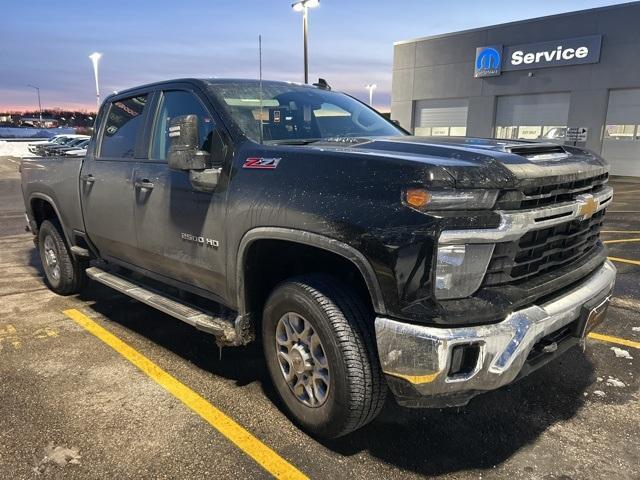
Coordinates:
<point>313,240</point>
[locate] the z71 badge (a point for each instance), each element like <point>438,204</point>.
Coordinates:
<point>261,163</point>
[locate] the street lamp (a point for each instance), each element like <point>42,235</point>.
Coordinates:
<point>303,6</point>
<point>39,104</point>
<point>95,58</point>
<point>371,87</point>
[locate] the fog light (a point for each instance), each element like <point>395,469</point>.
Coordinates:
<point>460,269</point>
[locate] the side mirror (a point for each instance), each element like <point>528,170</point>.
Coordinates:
<point>184,152</point>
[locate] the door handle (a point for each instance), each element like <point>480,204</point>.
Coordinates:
<point>88,178</point>
<point>144,183</point>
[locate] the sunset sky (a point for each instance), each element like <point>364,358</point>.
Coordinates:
<point>351,41</point>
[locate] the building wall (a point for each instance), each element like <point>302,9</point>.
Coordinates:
<point>443,67</point>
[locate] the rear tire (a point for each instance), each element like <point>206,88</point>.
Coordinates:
<point>64,274</point>
<point>321,354</point>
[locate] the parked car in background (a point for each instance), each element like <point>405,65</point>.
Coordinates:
<point>57,139</point>
<point>80,151</point>
<point>74,144</point>
<point>49,150</point>
<point>62,140</point>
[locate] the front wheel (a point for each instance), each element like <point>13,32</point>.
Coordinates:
<point>64,274</point>
<point>320,351</point>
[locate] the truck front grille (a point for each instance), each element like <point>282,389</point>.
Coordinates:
<point>544,250</point>
<point>541,196</point>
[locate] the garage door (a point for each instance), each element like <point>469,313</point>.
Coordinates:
<point>621,142</point>
<point>532,117</point>
<point>441,118</point>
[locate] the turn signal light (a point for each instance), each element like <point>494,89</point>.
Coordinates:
<point>417,197</point>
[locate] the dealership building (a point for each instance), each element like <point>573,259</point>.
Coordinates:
<point>571,78</point>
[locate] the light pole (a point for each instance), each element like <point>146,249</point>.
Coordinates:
<point>95,58</point>
<point>39,104</point>
<point>371,87</point>
<point>304,6</point>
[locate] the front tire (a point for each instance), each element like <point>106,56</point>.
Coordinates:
<point>64,274</point>
<point>321,355</point>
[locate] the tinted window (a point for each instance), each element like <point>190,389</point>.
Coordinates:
<point>124,122</point>
<point>284,112</point>
<point>175,104</point>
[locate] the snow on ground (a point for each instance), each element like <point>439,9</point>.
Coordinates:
<point>614,382</point>
<point>14,149</point>
<point>620,353</point>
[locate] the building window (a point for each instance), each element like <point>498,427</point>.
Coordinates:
<point>532,132</point>
<point>621,132</point>
<point>441,118</point>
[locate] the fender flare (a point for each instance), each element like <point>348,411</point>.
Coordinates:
<point>313,240</point>
<point>50,201</point>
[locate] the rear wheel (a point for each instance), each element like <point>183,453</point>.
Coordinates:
<point>64,274</point>
<point>320,351</point>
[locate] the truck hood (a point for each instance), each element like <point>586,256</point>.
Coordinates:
<point>474,162</point>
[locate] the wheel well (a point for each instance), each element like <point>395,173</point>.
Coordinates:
<point>269,262</point>
<point>42,210</point>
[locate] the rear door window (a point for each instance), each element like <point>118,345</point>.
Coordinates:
<point>124,124</point>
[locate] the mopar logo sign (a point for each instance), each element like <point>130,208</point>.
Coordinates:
<point>488,61</point>
<point>492,60</point>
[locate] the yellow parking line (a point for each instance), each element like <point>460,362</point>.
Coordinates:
<point>623,240</point>
<point>621,231</point>
<point>245,441</point>
<point>624,260</point>
<point>617,340</point>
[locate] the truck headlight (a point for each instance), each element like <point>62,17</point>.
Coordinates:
<point>460,269</point>
<point>422,199</point>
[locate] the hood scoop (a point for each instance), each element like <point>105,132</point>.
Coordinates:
<point>541,152</point>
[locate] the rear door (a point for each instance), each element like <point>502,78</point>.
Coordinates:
<point>179,229</point>
<point>106,178</point>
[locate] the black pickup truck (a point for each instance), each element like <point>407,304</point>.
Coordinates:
<point>363,258</point>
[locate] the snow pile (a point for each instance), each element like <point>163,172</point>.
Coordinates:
<point>57,456</point>
<point>620,353</point>
<point>15,149</point>
<point>614,382</point>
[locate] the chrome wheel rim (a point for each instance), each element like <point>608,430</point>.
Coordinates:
<point>302,359</point>
<point>51,259</point>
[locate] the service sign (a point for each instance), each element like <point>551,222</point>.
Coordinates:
<point>491,61</point>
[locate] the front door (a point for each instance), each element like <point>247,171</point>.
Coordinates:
<point>106,180</point>
<point>179,229</point>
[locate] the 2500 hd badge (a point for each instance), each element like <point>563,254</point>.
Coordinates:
<point>210,242</point>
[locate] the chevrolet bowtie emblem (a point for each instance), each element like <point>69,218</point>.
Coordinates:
<point>588,207</point>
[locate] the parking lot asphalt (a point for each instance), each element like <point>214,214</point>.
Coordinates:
<point>125,391</point>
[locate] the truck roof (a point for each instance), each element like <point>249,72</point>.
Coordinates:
<point>211,81</point>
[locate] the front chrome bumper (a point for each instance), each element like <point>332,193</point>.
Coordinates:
<point>417,359</point>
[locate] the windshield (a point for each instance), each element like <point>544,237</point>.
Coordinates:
<point>292,113</point>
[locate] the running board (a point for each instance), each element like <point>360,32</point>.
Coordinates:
<point>228,330</point>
